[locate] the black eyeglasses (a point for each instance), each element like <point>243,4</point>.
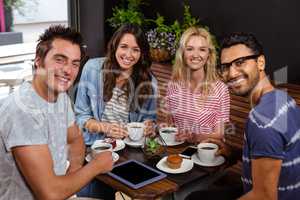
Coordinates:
<point>238,62</point>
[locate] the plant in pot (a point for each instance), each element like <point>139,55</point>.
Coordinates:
<point>152,148</point>
<point>128,14</point>
<point>162,40</point>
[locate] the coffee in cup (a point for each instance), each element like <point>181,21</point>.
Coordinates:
<point>135,130</point>
<point>206,152</point>
<point>168,134</point>
<point>100,147</point>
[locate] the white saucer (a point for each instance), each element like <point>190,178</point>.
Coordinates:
<point>170,143</point>
<point>119,144</point>
<point>131,143</point>
<point>115,156</point>
<point>186,166</point>
<point>218,161</point>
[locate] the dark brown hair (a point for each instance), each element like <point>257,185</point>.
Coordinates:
<point>58,32</point>
<point>140,76</point>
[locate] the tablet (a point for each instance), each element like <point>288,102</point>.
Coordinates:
<point>135,174</point>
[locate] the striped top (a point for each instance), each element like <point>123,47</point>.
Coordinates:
<point>190,111</point>
<point>117,109</point>
<point>273,131</point>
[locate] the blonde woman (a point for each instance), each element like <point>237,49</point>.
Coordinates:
<point>197,101</point>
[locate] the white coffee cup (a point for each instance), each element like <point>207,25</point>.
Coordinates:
<point>100,147</point>
<point>168,134</point>
<point>206,152</point>
<point>135,130</point>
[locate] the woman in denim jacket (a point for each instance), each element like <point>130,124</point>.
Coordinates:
<point>118,84</point>
<point>114,91</point>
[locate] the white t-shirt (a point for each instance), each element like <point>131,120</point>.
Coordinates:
<point>27,119</point>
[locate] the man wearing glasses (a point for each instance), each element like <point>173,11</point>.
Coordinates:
<point>271,152</point>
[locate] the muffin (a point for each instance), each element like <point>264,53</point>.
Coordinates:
<point>111,141</point>
<point>174,161</point>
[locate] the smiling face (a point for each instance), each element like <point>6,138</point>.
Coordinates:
<point>57,72</point>
<point>196,52</point>
<point>241,77</point>
<point>128,52</point>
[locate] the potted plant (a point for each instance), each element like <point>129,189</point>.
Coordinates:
<point>130,14</point>
<point>162,40</point>
<point>152,148</point>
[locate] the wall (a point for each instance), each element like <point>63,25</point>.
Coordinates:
<point>88,17</point>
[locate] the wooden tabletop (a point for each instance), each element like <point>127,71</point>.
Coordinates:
<point>163,187</point>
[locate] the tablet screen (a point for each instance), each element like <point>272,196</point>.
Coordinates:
<point>136,174</point>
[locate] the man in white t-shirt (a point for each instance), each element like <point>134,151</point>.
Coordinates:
<point>37,130</point>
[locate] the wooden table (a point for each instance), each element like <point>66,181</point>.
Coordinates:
<point>163,187</point>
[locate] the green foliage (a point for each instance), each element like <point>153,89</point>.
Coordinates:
<point>188,19</point>
<point>130,14</point>
<point>14,3</point>
<point>162,35</point>
<point>177,30</point>
<point>152,145</point>
<point>160,24</point>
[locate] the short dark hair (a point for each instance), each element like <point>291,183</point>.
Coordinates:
<point>247,39</point>
<point>58,32</point>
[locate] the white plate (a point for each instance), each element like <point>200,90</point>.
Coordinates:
<point>186,166</point>
<point>131,143</point>
<point>119,144</point>
<point>115,156</point>
<point>218,161</point>
<point>169,143</point>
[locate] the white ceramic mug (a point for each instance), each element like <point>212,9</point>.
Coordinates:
<point>168,134</point>
<point>100,147</point>
<point>207,152</point>
<point>135,130</point>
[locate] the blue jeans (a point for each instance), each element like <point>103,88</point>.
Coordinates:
<point>97,189</point>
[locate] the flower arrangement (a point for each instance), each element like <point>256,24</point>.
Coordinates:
<point>162,41</point>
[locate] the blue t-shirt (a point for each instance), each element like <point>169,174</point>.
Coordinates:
<point>273,131</point>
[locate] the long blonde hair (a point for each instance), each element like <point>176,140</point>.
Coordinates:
<point>180,72</point>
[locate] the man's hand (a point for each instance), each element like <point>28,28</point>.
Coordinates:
<point>104,161</point>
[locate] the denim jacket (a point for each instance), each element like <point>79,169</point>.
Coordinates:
<point>90,103</point>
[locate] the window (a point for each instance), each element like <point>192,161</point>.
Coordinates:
<point>24,21</point>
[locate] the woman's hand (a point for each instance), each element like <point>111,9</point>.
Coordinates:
<point>224,149</point>
<point>115,130</point>
<point>184,135</point>
<point>149,128</point>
